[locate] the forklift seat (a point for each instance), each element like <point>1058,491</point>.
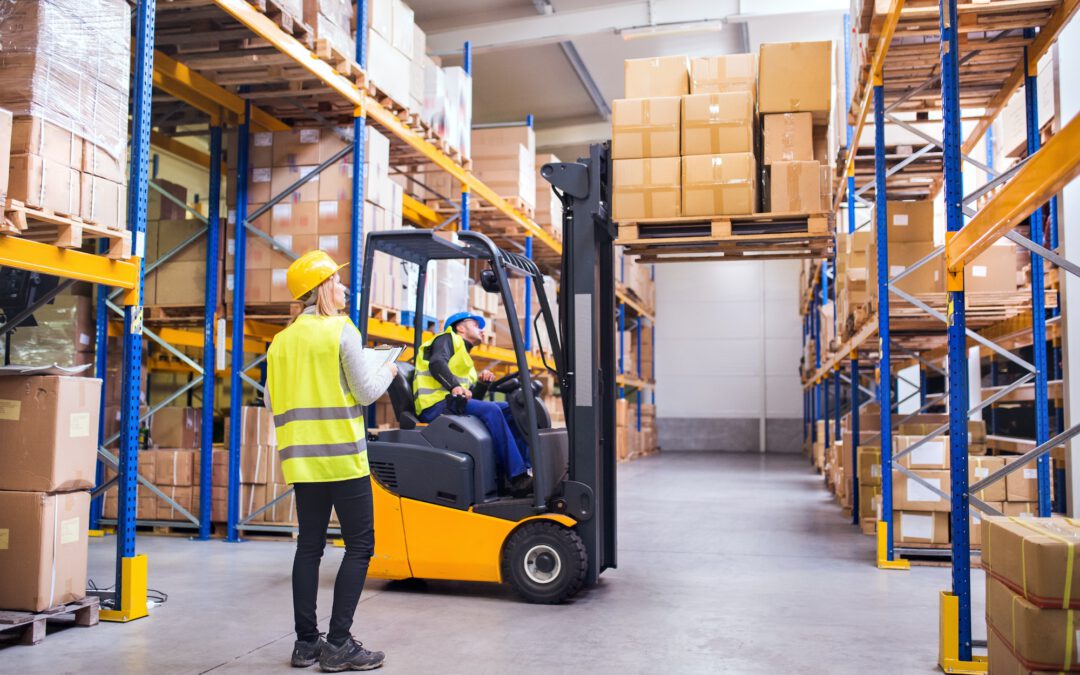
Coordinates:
<point>401,396</point>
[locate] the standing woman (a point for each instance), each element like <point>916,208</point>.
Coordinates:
<point>318,384</point>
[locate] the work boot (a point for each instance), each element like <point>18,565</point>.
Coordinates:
<point>521,485</point>
<point>306,653</point>
<point>349,656</point>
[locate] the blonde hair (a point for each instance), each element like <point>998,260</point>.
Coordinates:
<point>322,296</point>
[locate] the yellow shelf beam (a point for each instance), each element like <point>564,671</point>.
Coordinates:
<point>418,212</point>
<point>179,337</point>
<point>635,382</point>
<point>68,263</point>
<point>623,297</point>
<point>1043,176</point>
<point>184,151</point>
<point>830,364</point>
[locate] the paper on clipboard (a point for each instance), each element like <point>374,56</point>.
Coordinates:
<point>384,354</point>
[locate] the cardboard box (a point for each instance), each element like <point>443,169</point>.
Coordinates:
<point>975,518</point>
<point>5,152</point>
<point>719,184</point>
<point>1041,638</point>
<point>787,137</point>
<point>795,187</point>
<point>296,147</point>
<point>253,464</point>
<point>180,283</point>
<point>300,218</point>
<point>928,278</point>
<point>1031,558</point>
<point>870,502</point>
<point>282,177</point>
<point>795,77</point>
<point>910,222</point>
<point>732,72</point>
<point>869,465</point>
<point>31,135</point>
<point>49,427</point>
<point>933,454</point>
<point>1020,509</point>
<point>646,188</point>
<point>1022,485</point>
<point>911,495</point>
<point>657,76</point>
<point>720,123</point>
<point>645,127</point>
<point>44,551</point>
<point>920,528</point>
<point>981,467</point>
<point>184,496</point>
<point>993,271</point>
<point>173,467</point>
<point>102,201</point>
<point>176,427</point>
<point>44,183</point>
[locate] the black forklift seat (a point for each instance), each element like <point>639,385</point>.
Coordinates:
<point>401,396</point>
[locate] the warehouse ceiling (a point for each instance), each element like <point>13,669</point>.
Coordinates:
<point>562,60</point>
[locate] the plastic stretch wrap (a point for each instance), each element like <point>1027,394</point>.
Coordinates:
<point>63,336</point>
<point>69,62</point>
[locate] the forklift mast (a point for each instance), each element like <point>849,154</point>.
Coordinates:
<point>587,316</point>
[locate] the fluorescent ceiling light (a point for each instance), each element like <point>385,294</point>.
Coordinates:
<point>680,28</point>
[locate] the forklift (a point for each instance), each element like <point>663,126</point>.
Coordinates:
<point>439,513</point>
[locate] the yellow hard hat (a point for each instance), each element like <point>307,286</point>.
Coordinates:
<point>308,271</point>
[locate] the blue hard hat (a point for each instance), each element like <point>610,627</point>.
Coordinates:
<point>461,316</point>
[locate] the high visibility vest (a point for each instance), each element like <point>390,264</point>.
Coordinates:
<point>319,423</point>
<point>426,389</point>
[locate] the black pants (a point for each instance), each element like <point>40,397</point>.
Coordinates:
<point>351,499</point>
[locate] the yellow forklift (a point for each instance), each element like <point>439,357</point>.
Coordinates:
<point>439,512</point>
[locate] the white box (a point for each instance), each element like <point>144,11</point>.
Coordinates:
<point>434,109</point>
<point>381,17</point>
<point>459,109</point>
<point>389,69</point>
<point>402,28</point>
<point>376,168</point>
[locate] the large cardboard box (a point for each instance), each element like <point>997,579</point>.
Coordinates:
<point>911,495</point>
<point>254,464</point>
<point>175,467</point>
<point>1032,557</point>
<point>869,470</point>
<point>645,127</point>
<point>921,528</point>
<point>183,495</point>
<point>42,549</point>
<point>656,76</point>
<point>42,182</point>
<point>719,184</point>
<point>981,467</point>
<point>993,271</point>
<point>49,427</point>
<point>719,123</point>
<point>787,137</point>
<point>646,188</point>
<point>795,187</point>
<point>975,518</point>
<point>1020,509</point>
<point>5,152</point>
<point>1041,638</point>
<point>176,427</point>
<point>102,201</point>
<point>1022,485</point>
<point>732,72</point>
<point>927,278</point>
<point>910,221</point>
<point>795,77</point>
<point>933,454</point>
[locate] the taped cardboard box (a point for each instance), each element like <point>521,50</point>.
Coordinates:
<point>656,76</point>
<point>645,127</point>
<point>173,467</point>
<point>931,454</point>
<point>1032,557</point>
<point>49,424</point>
<point>718,123</point>
<point>44,183</point>
<point>911,495</point>
<point>981,467</point>
<point>993,271</point>
<point>794,187</point>
<point>909,222</point>
<point>869,465</point>
<point>975,518</point>
<point>731,72</point>
<point>787,137</point>
<point>176,427</point>
<point>5,152</point>
<point>647,188</point>
<point>795,77</point>
<point>1022,485</point>
<point>44,552</point>
<point>184,496</point>
<point>1041,638</point>
<point>719,184</point>
<point>920,528</point>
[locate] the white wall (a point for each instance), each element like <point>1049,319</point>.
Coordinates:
<point>728,342</point>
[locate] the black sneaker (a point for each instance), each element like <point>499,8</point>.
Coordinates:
<point>521,486</point>
<point>349,656</point>
<point>305,654</point>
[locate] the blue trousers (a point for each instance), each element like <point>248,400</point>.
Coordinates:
<point>511,451</point>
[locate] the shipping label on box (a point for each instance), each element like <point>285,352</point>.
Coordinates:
<point>922,528</point>
<point>645,127</point>
<point>911,494</point>
<point>646,188</point>
<point>931,454</point>
<point>719,123</point>
<point>719,184</point>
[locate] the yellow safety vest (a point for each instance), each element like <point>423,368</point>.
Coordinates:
<point>426,389</point>
<point>319,423</point>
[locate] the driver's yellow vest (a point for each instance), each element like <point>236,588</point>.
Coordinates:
<point>426,389</point>
<point>319,423</point>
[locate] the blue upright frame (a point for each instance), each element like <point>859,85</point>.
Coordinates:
<point>356,231</point>
<point>467,65</point>
<point>213,246</point>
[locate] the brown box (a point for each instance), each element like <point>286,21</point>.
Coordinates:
<point>795,187</point>
<point>99,162</point>
<point>975,518</point>
<point>912,527</point>
<point>502,142</point>
<point>910,222</point>
<point>185,496</point>
<point>1032,556</point>
<point>1041,638</point>
<point>146,504</point>
<point>732,72</point>
<point>102,201</point>
<point>283,511</point>
<point>720,123</point>
<point>1020,509</point>
<point>718,184</point>
<point>869,465</point>
<point>657,76</point>
<point>646,188</point>
<point>180,283</point>
<point>993,271</point>
<point>49,427</point>
<point>933,454</point>
<point>296,219</point>
<point>45,183</point>
<point>282,177</point>
<point>981,467</point>
<point>1022,485</point>
<point>910,495</point>
<point>928,278</point>
<point>795,77</point>
<point>335,182</point>
<point>176,427</point>
<point>335,217</point>
<point>253,464</point>
<point>645,127</point>
<point>5,152</point>
<point>35,136</point>
<point>787,137</point>
<point>173,467</point>
<point>870,501</point>
<point>43,549</point>
<point>297,147</point>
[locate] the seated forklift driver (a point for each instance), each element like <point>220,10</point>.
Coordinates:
<point>444,370</point>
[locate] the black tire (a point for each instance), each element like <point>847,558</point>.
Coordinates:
<point>544,562</point>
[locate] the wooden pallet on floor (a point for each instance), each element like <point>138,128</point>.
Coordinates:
<point>64,231</point>
<point>30,627</point>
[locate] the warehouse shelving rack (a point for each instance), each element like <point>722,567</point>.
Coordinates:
<point>1012,196</point>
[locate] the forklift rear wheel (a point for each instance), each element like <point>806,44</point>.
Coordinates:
<point>544,562</point>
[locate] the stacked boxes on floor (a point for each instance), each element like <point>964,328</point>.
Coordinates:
<point>50,427</point>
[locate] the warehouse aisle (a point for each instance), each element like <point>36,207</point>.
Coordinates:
<point>728,563</point>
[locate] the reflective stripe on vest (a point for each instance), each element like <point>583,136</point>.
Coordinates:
<point>426,389</point>
<point>319,423</point>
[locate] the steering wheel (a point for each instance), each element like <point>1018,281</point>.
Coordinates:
<point>505,384</point>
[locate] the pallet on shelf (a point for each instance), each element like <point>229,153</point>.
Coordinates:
<point>286,21</point>
<point>343,63</point>
<point>36,224</point>
<point>31,626</point>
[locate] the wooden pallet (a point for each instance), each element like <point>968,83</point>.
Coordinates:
<point>30,627</point>
<point>342,63</point>
<point>387,314</point>
<point>293,25</point>
<point>65,231</point>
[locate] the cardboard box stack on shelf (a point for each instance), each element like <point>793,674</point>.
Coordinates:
<point>504,158</point>
<point>549,211</point>
<point>63,334</point>
<point>50,427</point>
<point>630,440</point>
<point>64,72</point>
<point>332,21</point>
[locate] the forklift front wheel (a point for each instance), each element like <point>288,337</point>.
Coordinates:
<point>544,562</point>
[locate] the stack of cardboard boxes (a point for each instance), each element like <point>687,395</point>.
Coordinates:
<point>630,440</point>
<point>50,427</point>
<point>504,158</point>
<point>64,72</point>
<point>63,336</point>
<point>332,22</point>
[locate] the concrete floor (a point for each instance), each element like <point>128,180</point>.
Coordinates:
<point>727,563</point>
